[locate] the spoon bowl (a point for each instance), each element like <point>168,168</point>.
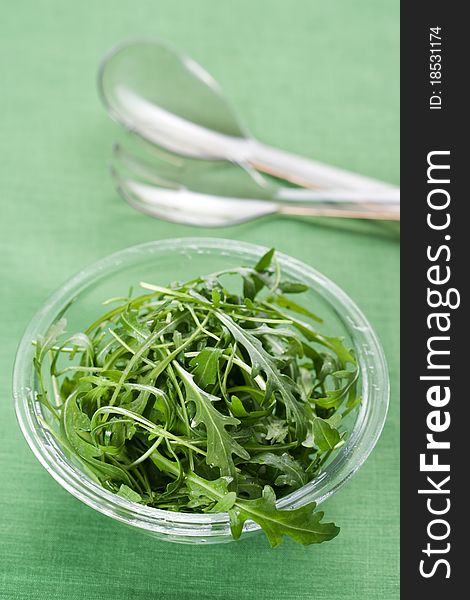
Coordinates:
<point>168,99</point>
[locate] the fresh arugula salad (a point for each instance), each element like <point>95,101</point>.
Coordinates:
<point>213,395</point>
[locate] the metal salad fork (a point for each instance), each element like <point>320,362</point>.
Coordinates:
<point>202,193</point>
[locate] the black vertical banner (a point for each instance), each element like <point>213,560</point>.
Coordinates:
<point>435,335</point>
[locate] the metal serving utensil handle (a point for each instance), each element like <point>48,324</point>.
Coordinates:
<point>306,172</point>
<point>378,211</point>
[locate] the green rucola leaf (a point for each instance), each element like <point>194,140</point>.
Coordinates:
<point>254,279</point>
<point>126,492</point>
<point>335,420</point>
<point>334,398</point>
<point>301,524</point>
<point>206,363</point>
<point>134,326</point>
<point>76,427</point>
<point>265,261</point>
<point>292,287</point>
<point>249,288</point>
<point>108,473</point>
<point>294,307</point>
<point>220,444</point>
<point>276,431</point>
<point>216,297</point>
<point>275,380</point>
<point>325,436</point>
<point>236,407</point>
<point>45,343</point>
<point>211,496</point>
<point>225,504</point>
<point>353,399</point>
<point>305,382</point>
<point>283,335</point>
<point>335,344</point>
<point>253,282</point>
<point>291,470</point>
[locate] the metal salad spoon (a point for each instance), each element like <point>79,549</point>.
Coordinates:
<point>171,101</point>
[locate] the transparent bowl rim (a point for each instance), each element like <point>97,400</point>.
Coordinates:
<point>360,443</point>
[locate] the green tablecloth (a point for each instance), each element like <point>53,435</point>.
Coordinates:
<point>318,78</point>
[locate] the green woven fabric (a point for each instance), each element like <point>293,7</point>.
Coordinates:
<point>318,78</point>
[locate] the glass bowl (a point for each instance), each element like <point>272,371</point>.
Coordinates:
<point>79,300</point>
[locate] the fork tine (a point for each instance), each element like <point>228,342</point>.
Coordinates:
<point>140,168</point>
<point>186,207</point>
